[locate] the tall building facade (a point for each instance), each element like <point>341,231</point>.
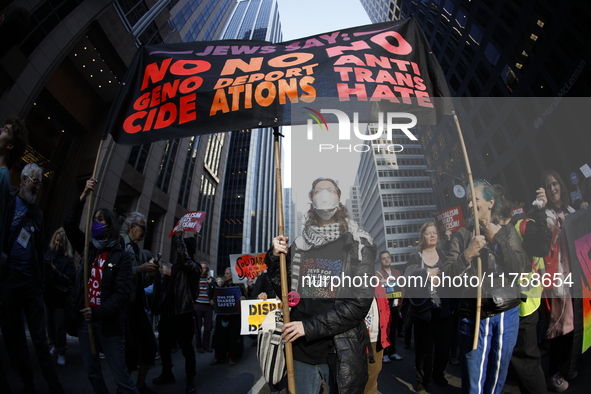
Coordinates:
<point>249,210</point>
<point>506,50</point>
<point>61,72</point>
<point>382,10</point>
<point>395,194</point>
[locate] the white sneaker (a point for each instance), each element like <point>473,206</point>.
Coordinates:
<point>395,357</point>
<point>385,359</point>
<point>61,360</point>
<point>53,351</point>
<point>556,383</point>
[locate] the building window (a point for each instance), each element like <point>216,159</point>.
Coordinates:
<point>167,164</point>
<point>138,156</point>
<point>187,178</point>
<point>205,204</point>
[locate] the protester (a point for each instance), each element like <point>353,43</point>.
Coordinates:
<point>109,289</point>
<point>204,310</point>
<point>227,342</point>
<point>60,277</point>
<point>22,282</point>
<point>140,342</point>
<point>561,367</point>
<point>13,140</point>
<point>327,327</point>
<point>378,322</point>
<point>484,369</point>
<point>174,299</point>
<point>388,277</point>
<point>535,240</point>
<point>430,310</point>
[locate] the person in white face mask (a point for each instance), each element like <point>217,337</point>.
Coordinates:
<point>328,327</point>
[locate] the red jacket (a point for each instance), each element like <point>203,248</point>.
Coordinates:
<point>385,318</point>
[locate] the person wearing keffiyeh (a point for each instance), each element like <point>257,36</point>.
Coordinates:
<point>327,326</point>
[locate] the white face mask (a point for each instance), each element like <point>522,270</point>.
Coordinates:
<point>326,204</point>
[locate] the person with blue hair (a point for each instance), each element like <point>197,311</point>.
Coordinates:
<point>484,368</point>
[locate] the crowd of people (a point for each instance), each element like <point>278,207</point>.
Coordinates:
<point>515,323</point>
<point>341,335</point>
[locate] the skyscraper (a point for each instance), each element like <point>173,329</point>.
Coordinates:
<point>61,70</point>
<point>395,194</point>
<point>507,49</point>
<point>249,210</point>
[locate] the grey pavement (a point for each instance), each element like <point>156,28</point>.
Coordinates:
<point>245,376</point>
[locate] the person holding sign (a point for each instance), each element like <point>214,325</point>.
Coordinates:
<point>174,303</point>
<point>431,314</point>
<point>227,342</point>
<point>328,264</point>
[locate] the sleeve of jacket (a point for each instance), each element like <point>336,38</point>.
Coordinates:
<point>72,227</point>
<point>455,261</point>
<point>113,306</point>
<point>67,276</point>
<point>537,237</point>
<point>273,268</point>
<point>348,312</point>
<point>514,258</point>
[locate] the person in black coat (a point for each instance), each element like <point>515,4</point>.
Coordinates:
<point>327,327</point>
<point>59,279</point>
<point>109,289</point>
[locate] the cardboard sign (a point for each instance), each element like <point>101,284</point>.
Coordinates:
<point>451,219</point>
<point>245,266</point>
<point>253,312</point>
<point>191,221</point>
<point>226,300</point>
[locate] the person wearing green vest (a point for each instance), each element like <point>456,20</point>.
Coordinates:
<point>535,241</point>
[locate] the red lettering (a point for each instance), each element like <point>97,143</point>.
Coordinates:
<point>403,47</point>
<point>155,74</point>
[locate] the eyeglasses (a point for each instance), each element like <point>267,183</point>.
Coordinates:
<point>36,182</point>
<point>142,226</point>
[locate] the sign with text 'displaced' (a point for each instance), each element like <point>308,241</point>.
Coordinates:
<point>253,312</point>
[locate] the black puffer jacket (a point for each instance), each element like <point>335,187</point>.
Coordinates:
<point>344,323</point>
<point>116,282</point>
<point>503,260</point>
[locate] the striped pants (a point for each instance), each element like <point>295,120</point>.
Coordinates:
<point>484,369</point>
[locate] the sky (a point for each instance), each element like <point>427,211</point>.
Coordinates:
<point>303,18</point>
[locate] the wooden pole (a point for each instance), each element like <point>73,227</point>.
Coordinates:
<point>291,388</point>
<point>476,230</point>
<point>86,242</point>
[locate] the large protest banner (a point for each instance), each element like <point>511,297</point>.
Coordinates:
<point>184,89</point>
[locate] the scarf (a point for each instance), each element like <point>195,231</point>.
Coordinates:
<point>104,244</point>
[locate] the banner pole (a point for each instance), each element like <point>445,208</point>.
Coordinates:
<point>291,388</point>
<point>86,242</point>
<point>476,230</point>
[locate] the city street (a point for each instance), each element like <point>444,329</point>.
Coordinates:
<point>245,376</point>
